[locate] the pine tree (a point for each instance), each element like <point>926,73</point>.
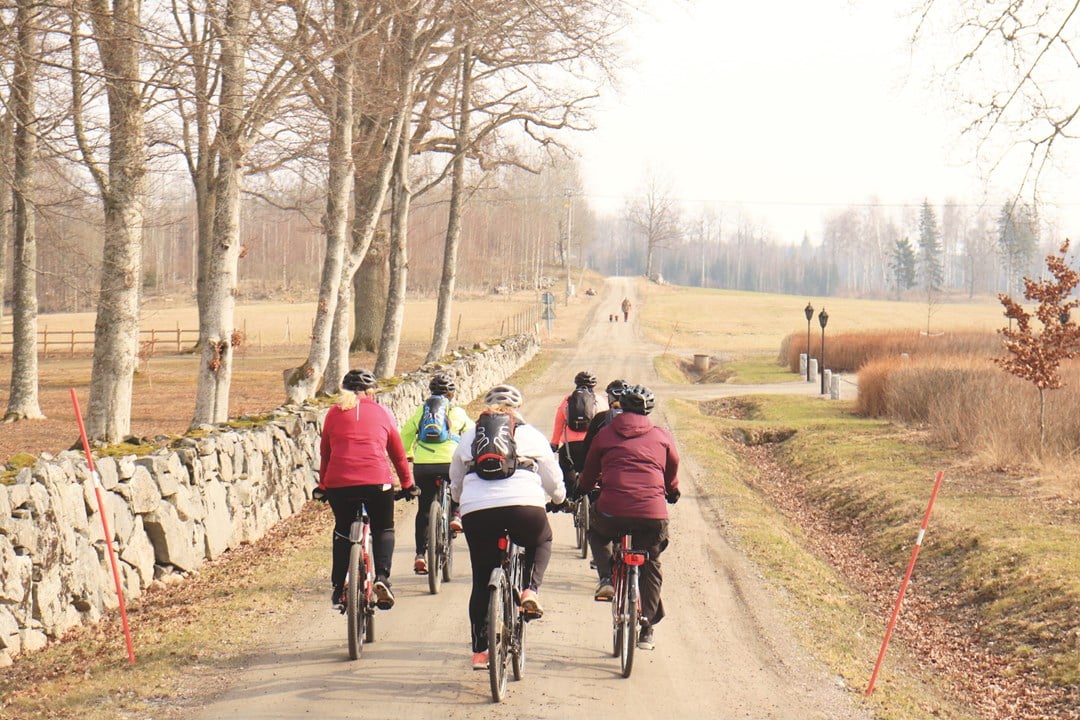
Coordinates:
<point>902,265</point>
<point>930,264</point>
<point>1018,239</point>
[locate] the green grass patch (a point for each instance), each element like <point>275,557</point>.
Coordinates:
<point>759,371</point>
<point>827,615</point>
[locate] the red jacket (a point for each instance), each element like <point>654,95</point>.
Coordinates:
<point>640,465</point>
<point>355,444</point>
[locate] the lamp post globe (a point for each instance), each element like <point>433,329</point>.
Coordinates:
<point>823,318</point>
<point>809,310</point>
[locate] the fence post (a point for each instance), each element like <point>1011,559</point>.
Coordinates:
<point>45,342</point>
<point>73,342</point>
<point>178,336</point>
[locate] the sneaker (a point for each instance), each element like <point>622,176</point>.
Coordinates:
<point>480,660</point>
<point>337,596</point>
<point>530,603</point>
<point>645,638</point>
<point>455,523</point>
<point>605,591</point>
<point>420,565</point>
<point>384,596</point>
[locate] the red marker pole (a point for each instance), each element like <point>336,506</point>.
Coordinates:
<point>105,526</point>
<point>904,584</point>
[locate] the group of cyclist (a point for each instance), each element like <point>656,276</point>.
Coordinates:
<point>504,475</point>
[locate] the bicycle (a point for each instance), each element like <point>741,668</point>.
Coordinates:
<point>581,524</point>
<point>626,604</point>
<point>440,547</point>
<point>359,588</point>
<point>506,619</point>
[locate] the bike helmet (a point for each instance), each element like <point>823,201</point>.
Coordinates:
<point>585,379</point>
<point>637,399</point>
<point>359,381</point>
<point>614,390</point>
<point>503,395</point>
<point>442,385</point>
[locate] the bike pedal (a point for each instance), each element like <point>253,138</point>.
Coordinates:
<point>527,616</point>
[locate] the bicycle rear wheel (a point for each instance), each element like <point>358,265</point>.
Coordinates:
<point>434,549</point>
<point>368,595</point>
<point>447,548</point>
<point>629,623</point>
<point>498,640</point>
<point>355,607</point>
<point>581,524</point>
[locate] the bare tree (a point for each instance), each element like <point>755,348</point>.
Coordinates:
<point>657,215</point>
<point>23,400</point>
<point>118,35</point>
<point>7,160</point>
<point>1011,57</point>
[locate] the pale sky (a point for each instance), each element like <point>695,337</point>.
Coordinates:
<point>786,109</point>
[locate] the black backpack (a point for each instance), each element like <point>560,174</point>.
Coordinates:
<point>435,421</point>
<point>494,450</point>
<point>580,408</point>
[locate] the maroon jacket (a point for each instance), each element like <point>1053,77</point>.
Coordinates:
<point>639,463</point>
<point>355,444</point>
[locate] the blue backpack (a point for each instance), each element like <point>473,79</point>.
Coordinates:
<point>435,421</point>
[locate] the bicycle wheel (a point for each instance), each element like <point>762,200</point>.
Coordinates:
<point>498,640</point>
<point>447,547</point>
<point>434,547</point>
<point>581,522</point>
<point>519,626</point>
<point>617,611</point>
<point>630,623</point>
<point>369,593</point>
<point>355,607</point>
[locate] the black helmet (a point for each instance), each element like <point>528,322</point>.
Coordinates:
<point>442,385</point>
<point>637,399</point>
<point>585,379</point>
<point>615,389</point>
<point>359,381</point>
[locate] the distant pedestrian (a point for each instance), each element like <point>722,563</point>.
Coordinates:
<point>626,309</point>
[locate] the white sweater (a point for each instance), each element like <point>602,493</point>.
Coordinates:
<point>524,487</point>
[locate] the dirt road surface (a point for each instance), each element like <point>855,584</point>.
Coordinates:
<point>724,650</point>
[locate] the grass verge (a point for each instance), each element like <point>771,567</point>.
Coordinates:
<point>830,515</point>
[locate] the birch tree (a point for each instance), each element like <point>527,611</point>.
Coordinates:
<point>656,215</point>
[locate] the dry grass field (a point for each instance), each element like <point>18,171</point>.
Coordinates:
<point>277,337</point>
<point>744,323</point>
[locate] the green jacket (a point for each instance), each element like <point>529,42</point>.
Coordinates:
<point>422,453</point>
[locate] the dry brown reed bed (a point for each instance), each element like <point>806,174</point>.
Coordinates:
<point>849,352</point>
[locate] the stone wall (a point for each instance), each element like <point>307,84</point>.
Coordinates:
<point>172,510</point>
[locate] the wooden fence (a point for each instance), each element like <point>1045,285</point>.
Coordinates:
<point>81,342</point>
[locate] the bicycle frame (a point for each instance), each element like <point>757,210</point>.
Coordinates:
<point>626,605</point>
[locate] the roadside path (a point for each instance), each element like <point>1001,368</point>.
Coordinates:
<point>724,650</point>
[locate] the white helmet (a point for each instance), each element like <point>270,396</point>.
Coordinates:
<point>503,395</point>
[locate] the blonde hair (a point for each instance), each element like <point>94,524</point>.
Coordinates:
<point>347,399</point>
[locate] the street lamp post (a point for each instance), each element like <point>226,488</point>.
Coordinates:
<point>823,318</point>
<point>809,310</point>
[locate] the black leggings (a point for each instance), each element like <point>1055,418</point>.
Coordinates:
<point>380,508</point>
<point>529,528</point>
<point>425,477</point>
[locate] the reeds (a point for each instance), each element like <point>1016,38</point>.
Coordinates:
<point>849,352</point>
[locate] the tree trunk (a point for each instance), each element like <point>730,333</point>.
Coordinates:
<point>23,400</point>
<point>116,329</point>
<point>440,337</point>
<point>369,297</point>
<point>7,159</point>
<point>389,341</point>
<point>301,383</point>
<point>217,337</point>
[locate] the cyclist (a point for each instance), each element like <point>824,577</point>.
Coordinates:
<point>514,502</point>
<point>572,420</point>
<point>603,418</point>
<point>640,465</point>
<point>430,449</point>
<point>357,436</point>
